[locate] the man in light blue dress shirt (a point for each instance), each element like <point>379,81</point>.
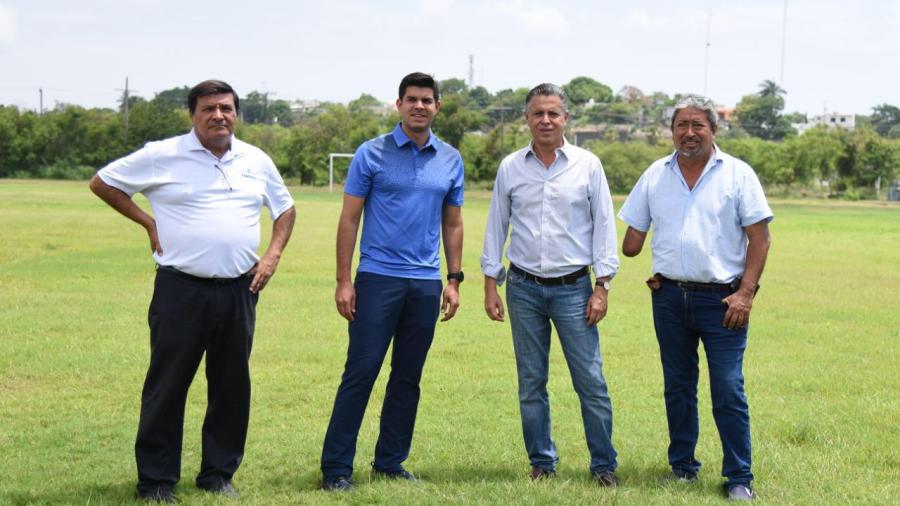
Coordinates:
<point>556,199</point>
<point>710,241</point>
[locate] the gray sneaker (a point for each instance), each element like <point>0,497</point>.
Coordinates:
<point>740,493</point>
<point>681,476</point>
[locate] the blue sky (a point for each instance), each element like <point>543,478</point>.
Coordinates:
<point>841,56</point>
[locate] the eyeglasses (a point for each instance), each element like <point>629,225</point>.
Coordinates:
<point>225,176</point>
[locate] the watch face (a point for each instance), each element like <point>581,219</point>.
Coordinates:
<point>459,276</point>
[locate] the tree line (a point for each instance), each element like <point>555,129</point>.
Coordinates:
<point>631,127</point>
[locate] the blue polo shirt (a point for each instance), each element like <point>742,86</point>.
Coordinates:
<point>406,189</point>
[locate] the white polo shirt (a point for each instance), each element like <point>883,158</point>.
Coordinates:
<point>207,209</point>
<point>698,234</point>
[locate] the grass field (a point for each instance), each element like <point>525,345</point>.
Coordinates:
<point>821,370</point>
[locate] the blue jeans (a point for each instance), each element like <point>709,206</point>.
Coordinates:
<point>386,307</point>
<point>532,308</point>
<point>683,318</point>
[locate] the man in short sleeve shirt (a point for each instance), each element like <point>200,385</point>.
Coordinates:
<point>410,185</point>
<point>555,198</point>
<point>206,189</point>
<point>709,218</point>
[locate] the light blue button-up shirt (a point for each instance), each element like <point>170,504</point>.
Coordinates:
<point>698,234</point>
<point>561,216</point>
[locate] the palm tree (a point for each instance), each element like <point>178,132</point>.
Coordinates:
<point>769,88</point>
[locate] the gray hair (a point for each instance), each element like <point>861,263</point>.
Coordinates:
<point>700,102</point>
<point>548,90</point>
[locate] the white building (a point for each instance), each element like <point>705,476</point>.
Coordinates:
<point>830,120</point>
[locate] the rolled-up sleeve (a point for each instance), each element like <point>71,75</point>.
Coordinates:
<point>497,229</point>
<point>604,253</point>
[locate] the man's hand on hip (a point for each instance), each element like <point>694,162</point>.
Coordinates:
<point>262,272</point>
<point>738,314</point>
<point>155,246</point>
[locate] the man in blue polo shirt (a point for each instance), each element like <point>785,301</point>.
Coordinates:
<point>410,184</point>
<point>710,241</point>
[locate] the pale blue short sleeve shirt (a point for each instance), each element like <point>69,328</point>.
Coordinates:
<point>698,234</point>
<point>406,189</point>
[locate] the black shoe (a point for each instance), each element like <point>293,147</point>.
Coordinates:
<point>400,474</point>
<point>740,493</point>
<point>222,487</point>
<point>539,473</point>
<point>162,493</point>
<point>339,484</point>
<point>606,479</point>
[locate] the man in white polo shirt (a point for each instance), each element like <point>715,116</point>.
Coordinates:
<point>206,189</point>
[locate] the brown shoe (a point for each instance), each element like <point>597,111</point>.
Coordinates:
<point>606,479</point>
<point>539,473</point>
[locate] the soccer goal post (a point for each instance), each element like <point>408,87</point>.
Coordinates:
<point>331,157</point>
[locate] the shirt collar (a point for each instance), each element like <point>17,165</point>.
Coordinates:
<point>565,149</point>
<point>713,161</point>
<point>193,144</point>
<point>402,139</point>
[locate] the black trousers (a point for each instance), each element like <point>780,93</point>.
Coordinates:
<point>189,317</point>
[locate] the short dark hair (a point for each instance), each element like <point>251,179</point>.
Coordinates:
<point>548,90</point>
<point>420,80</point>
<point>211,87</point>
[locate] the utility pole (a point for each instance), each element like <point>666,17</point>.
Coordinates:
<point>706,61</point>
<point>41,101</point>
<point>471,71</point>
<point>502,110</point>
<point>125,100</point>
<point>783,42</point>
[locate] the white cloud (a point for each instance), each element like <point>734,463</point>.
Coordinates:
<point>535,18</point>
<point>435,7</point>
<point>7,26</point>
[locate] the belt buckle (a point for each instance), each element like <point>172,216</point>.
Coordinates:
<point>538,281</point>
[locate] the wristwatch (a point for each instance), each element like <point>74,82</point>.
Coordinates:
<point>604,284</point>
<point>458,276</point>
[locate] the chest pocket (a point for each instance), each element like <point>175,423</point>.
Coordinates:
<point>571,202</point>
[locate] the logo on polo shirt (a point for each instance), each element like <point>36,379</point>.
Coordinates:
<point>249,173</point>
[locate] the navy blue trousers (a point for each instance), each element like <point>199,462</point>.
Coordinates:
<point>386,307</point>
<point>189,317</point>
<point>684,318</point>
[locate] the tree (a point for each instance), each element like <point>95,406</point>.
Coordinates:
<point>760,114</point>
<point>479,96</point>
<point>455,120</point>
<point>583,89</point>
<point>364,101</point>
<point>173,98</point>
<point>769,88</point>
<point>884,118</point>
<point>452,86</point>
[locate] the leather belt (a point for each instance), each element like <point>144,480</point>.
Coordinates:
<point>702,287</point>
<point>191,277</point>
<point>568,279</point>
